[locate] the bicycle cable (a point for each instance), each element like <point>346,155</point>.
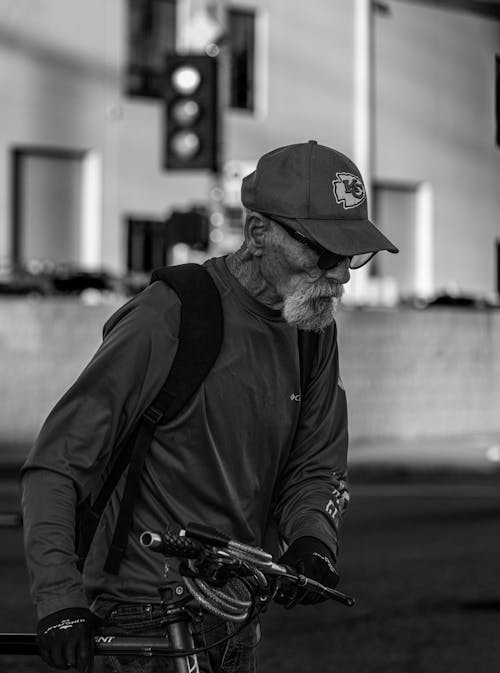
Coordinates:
<point>253,613</point>
<point>234,601</point>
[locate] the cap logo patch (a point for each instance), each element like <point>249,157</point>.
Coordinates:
<point>348,190</point>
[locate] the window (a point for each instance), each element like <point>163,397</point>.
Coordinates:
<point>241,32</point>
<point>151,33</point>
<point>497,288</point>
<point>394,204</point>
<point>146,244</point>
<point>149,241</point>
<point>47,205</point>
<point>497,99</point>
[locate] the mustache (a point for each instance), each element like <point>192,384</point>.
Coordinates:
<point>326,288</point>
<point>313,307</point>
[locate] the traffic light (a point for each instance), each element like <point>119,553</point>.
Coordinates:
<point>191,96</point>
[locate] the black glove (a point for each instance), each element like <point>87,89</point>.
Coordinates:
<point>66,639</point>
<point>310,557</point>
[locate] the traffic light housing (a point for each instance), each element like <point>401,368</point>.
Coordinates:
<point>191,106</point>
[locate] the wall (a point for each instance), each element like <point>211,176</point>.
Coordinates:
<point>61,67</point>
<point>407,373</point>
<point>309,60</point>
<point>434,120</point>
<point>44,344</point>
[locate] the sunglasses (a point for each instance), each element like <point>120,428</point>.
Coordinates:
<point>327,259</point>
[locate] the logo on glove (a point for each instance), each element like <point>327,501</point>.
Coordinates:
<point>326,560</point>
<point>65,624</point>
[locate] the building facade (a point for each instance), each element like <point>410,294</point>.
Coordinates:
<point>409,90</point>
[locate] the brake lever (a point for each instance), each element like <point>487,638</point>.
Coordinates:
<point>286,572</point>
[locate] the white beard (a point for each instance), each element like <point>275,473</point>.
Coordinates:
<point>312,307</point>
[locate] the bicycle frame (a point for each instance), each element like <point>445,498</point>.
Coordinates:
<point>25,644</point>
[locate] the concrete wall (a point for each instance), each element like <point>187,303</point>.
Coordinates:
<point>412,373</point>
<point>44,344</point>
<point>407,373</point>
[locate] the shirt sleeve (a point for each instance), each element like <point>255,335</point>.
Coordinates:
<point>313,492</point>
<point>77,438</point>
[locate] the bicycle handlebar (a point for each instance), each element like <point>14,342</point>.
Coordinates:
<point>170,544</point>
<point>198,544</point>
<point>195,538</point>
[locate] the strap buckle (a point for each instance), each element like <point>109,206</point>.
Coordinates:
<point>153,415</point>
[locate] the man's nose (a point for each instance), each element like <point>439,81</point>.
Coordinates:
<point>340,272</point>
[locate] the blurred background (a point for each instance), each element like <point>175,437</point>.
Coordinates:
<point>126,128</point>
<point>128,125</point>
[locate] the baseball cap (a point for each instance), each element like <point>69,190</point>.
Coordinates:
<point>318,191</point>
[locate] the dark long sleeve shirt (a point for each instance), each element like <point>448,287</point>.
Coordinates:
<point>249,453</point>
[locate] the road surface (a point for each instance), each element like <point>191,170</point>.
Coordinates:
<point>422,558</point>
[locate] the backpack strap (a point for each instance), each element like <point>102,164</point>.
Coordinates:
<point>200,340</point>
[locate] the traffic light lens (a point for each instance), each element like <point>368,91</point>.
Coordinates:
<point>186,79</point>
<point>185,112</point>
<point>185,145</point>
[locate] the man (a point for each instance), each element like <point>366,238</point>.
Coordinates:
<point>252,451</point>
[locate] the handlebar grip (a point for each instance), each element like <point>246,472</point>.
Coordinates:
<point>170,543</point>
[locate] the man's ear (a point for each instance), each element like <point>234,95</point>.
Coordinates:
<point>255,230</point>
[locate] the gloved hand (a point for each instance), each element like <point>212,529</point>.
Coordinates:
<point>310,557</point>
<point>66,639</point>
